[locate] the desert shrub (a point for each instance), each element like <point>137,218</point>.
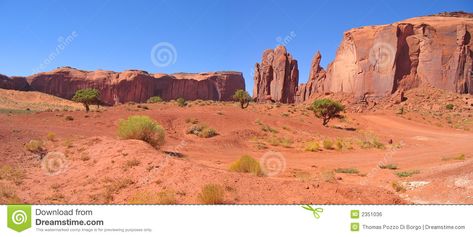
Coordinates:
<point>212,194</point>
<point>398,187</point>
<point>202,131</point>
<point>181,102</point>
<point>243,97</point>
<point>114,188</point>
<point>408,173</point>
<point>280,141</point>
<point>347,170</point>
<point>458,157</point>
<point>35,146</point>
<point>165,197</point>
<point>69,118</point>
<point>154,99</point>
<point>8,195</point>
<point>370,141</point>
<point>247,164</point>
<point>326,109</point>
<point>312,146</point>
<point>328,144</point>
<point>449,106</point>
<point>87,97</point>
<point>131,163</point>
<point>388,166</point>
<point>51,136</point>
<point>141,128</point>
<point>12,174</point>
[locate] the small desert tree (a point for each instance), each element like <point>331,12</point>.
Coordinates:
<point>243,97</point>
<point>326,109</point>
<point>87,97</point>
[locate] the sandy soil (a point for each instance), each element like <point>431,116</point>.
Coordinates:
<point>98,167</point>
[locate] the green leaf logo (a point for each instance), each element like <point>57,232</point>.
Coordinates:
<point>315,211</point>
<point>19,217</point>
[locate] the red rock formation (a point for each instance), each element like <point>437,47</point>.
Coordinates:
<point>138,86</point>
<point>13,83</point>
<point>276,77</point>
<point>315,82</point>
<point>379,60</point>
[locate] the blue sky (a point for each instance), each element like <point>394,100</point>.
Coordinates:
<point>211,35</point>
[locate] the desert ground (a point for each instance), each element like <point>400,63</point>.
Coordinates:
<point>416,151</point>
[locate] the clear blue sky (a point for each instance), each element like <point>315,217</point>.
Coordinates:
<point>209,35</point>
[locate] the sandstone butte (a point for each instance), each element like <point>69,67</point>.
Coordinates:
<point>131,85</point>
<point>378,61</point>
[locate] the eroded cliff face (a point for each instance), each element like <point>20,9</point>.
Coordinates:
<point>276,77</point>
<point>380,60</point>
<point>134,85</point>
<point>315,83</point>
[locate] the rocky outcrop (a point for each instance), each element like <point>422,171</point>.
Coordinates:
<point>276,77</point>
<point>13,83</point>
<point>380,60</point>
<point>138,86</point>
<point>315,82</point>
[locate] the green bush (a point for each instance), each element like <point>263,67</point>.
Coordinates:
<point>141,128</point>
<point>326,109</point>
<point>408,173</point>
<point>154,99</point>
<point>243,97</point>
<point>212,194</point>
<point>181,102</point>
<point>247,164</point>
<point>388,166</point>
<point>449,106</point>
<point>87,97</point>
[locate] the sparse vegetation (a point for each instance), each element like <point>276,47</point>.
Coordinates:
<point>347,170</point>
<point>147,197</point>
<point>212,194</point>
<point>51,136</point>
<point>8,195</point>
<point>243,97</point>
<point>281,141</point>
<point>312,146</point>
<point>36,147</point>
<point>449,106</point>
<point>15,175</point>
<point>87,97</point>
<point>131,163</point>
<point>409,173</point>
<point>154,99</point>
<point>69,118</point>
<point>247,164</point>
<point>181,102</point>
<point>141,128</point>
<point>460,157</point>
<point>388,166</point>
<point>202,131</point>
<point>114,187</point>
<point>328,144</point>
<point>326,109</point>
<point>398,187</point>
<point>370,141</point>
